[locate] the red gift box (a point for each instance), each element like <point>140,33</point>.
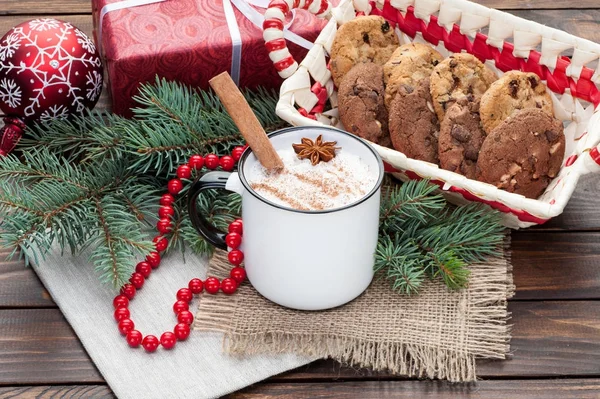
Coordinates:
<point>186,41</point>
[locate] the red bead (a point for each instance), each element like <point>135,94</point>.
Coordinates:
<point>233,240</point>
<point>185,317</point>
<point>167,200</point>
<point>184,172</point>
<point>144,269</point>
<point>238,274</point>
<point>235,257</point>
<point>166,211</point>
<point>212,285</point>
<point>150,343</point>
<point>239,221</point>
<point>184,294</point>
<point>180,306</point>
<point>182,331</point>
<point>134,338</point>
<point>196,162</point>
<point>236,227</point>
<point>126,325</point>
<point>154,259</point>
<point>164,225</point>
<point>128,290</point>
<point>120,301</point>
<point>174,186</point>
<point>137,280</point>
<point>195,285</point>
<point>227,162</point>
<point>237,153</point>
<point>121,313</point>
<point>160,243</point>
<point>228,286</point>
<point>168,340</point>
<point>211,161</point>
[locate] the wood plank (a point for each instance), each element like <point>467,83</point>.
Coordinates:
<point>556,265</point>
<point>550,339</point>
<point>39,346</point>
<point>57,392</point>
<point>20,286</point>
<point>39,7</point>
<point>552,389</point>
<point>546,266</point>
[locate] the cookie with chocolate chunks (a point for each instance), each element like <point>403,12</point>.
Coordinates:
<point>524,153</point>
<point>360,106</point>
<point>363,39</point>
<point>414,127</point>
<point>461,137</point>
<point>514,91</point>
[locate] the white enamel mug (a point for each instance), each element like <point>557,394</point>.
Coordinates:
<point>308,260</point>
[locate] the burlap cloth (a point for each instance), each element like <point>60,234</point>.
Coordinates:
<point>436,334</point>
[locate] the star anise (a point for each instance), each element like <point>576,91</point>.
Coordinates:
<point>316,151</point>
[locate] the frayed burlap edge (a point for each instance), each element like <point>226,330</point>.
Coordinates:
<point>488,316</point>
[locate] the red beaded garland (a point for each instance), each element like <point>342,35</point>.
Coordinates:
<point>126,325</point>
<point>184,172</point>
<point>196,286</point>
<point>233,240</point>
<point>238,274</point>
<point>175,186</point>
<point>228,286</point>
<point>237,153</point>
<point>186,317</point>
<point>120,301</point>
<point>134,338</point>
<point>211,161</point>
<point>150,343</point>
<point>196,162</point>
<point>167,200</point>
<point>137,280</point>
<point>154,259</point>
<point>121,313</point>
<point>227,163</point>
<point>182,331</point>
<point>128,290</point>
<point>164,225</point>
<point>212,285</point>
<point>235,257</point>
<point>143,269</point>
<point>168,340</point>
<point>166,211</point>
<point>160,243</point>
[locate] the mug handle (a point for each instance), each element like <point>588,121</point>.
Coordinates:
<point>208,181</point>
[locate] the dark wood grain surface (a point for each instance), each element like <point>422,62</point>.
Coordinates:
<point>555,350</point>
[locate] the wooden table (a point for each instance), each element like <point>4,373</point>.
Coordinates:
<point>556,311</point>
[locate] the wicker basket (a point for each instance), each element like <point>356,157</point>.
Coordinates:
<point>504,42</point>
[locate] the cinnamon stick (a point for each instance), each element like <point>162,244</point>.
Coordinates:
<point>243,117</point>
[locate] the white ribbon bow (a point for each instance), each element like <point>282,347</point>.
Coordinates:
<point>234,30</point>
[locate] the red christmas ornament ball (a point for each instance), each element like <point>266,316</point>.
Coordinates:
<point>48,69</point>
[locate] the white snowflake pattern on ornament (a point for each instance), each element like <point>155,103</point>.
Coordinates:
<point>43,24</point>
<point>95,80</point>
<point>10,45</point>
<point>10,93</point>
<point>85,41</point>
<point>55,112</point>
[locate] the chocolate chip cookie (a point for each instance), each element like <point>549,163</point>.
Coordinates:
<point>458,76</point>
<point>414,128</point>
<point>523,153</point>
<point>361,96</point>
<point>513,91</point>
<point>409,64</point>
<point>363,39</point>
<point>461,137</point>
